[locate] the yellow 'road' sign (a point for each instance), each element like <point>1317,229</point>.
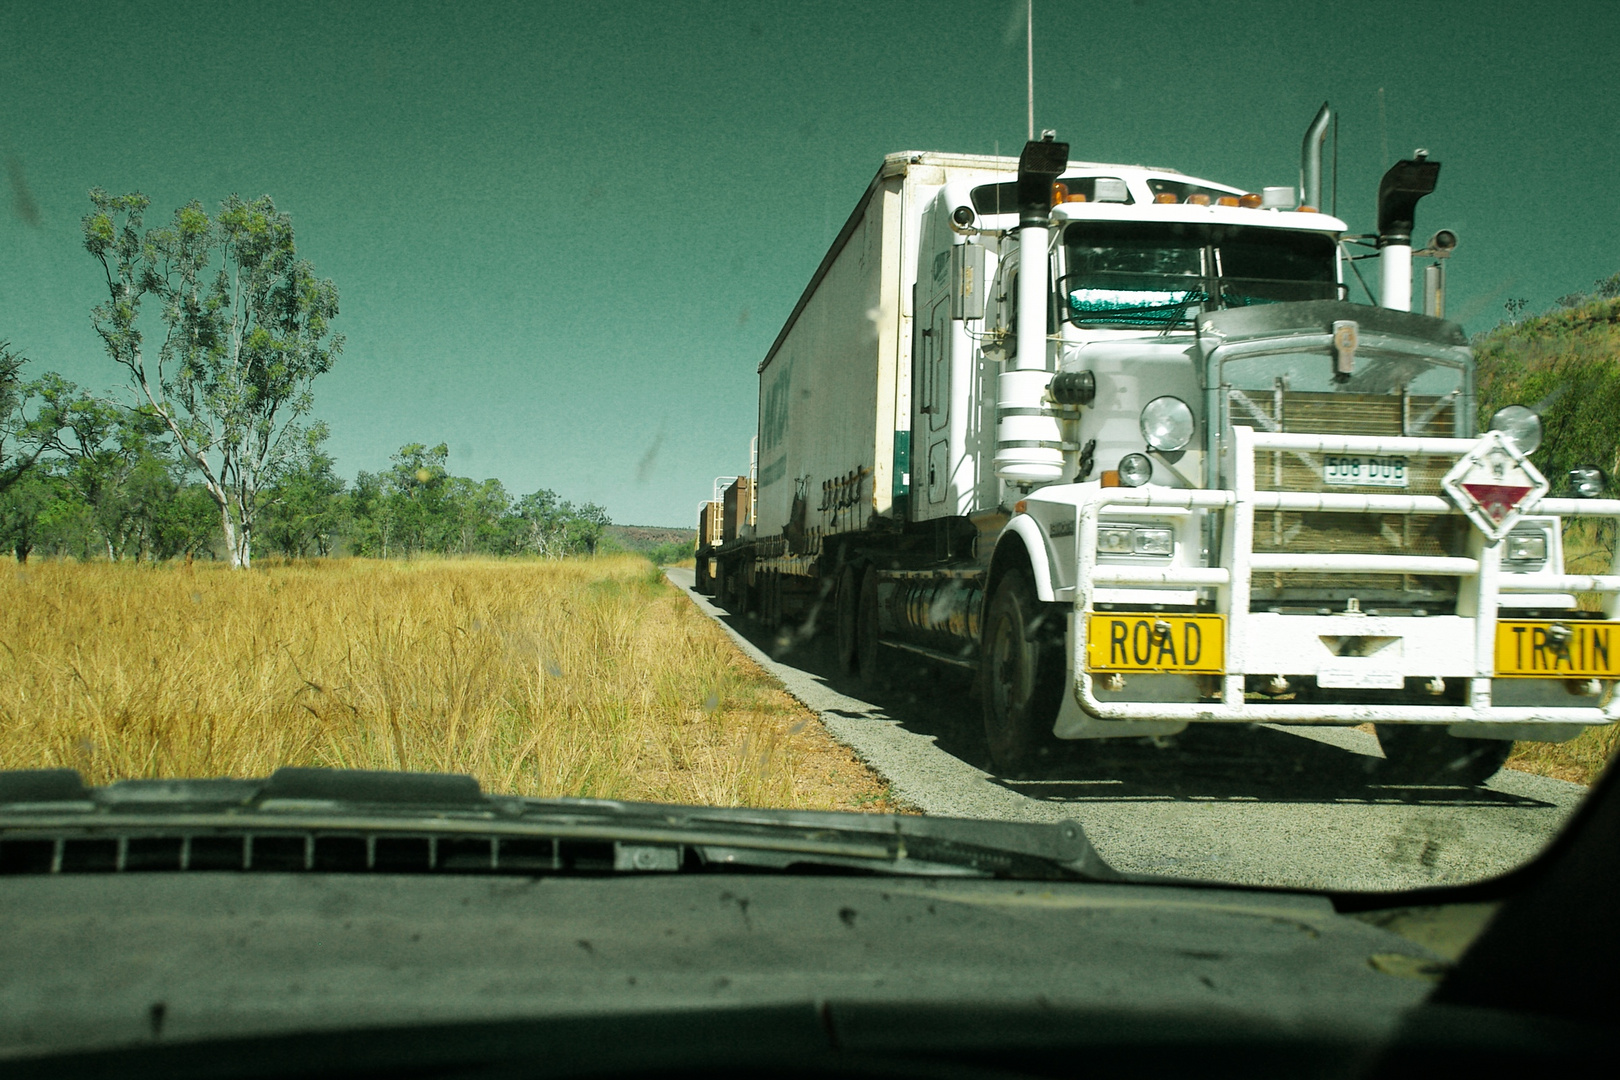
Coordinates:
<point>1148,641</point>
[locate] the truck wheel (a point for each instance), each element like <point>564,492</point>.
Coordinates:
<point>846,602</point>
<point>1424,754</point>
<point>776,601</point>
<point>867,645</point>
<point>1021,673</point>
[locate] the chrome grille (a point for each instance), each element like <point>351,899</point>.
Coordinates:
<point>1372,534</point>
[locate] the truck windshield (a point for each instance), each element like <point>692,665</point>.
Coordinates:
<point>1157,273</point>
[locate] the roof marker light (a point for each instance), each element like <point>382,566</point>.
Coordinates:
<point>1198,199</point>
<point>1165,197</point>
<point>1227,200</point>
<point>1251,200</point>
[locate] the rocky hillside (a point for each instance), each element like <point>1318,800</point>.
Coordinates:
<point>1565,364</point>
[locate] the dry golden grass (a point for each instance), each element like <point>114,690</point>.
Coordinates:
<point>592,678</point>
<point>1580,760</point>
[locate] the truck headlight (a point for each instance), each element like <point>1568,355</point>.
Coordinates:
<point>1521,426</point>
<point>1155,542</point>
<point>1134,470</point>
<point>1135,540</point>
<point>1116,540</point>
<point>1167,425</point>
<point>1529,546</point>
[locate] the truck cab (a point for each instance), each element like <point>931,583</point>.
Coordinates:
<point>1250,499</point>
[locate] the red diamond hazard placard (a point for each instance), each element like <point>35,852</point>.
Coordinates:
<point>1494,485</point>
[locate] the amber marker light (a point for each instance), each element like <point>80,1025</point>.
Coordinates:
<point>1165,197</point>
<point>1021,506</point>
<point>1110,478</point>
<point>1228,200</point>
<point>1198,200</point>
<point>1251,200</point>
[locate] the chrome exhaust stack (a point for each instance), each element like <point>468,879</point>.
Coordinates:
<point>1310,159</point>
<point>1398,193</point>
<point>1028,438</point>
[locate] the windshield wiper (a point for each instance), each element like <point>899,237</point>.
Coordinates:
<point>352,821</point>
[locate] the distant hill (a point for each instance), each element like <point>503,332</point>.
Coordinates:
<point>647,537</point>
<point>660,544</point>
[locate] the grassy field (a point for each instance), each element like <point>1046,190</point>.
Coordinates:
<point>591,678</point>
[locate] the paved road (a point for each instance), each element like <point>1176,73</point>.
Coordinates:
<point>1267,805</point>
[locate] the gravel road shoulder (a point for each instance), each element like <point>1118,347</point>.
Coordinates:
<point>1273,805</point>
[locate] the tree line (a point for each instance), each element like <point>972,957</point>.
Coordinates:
<point>87,478</point>
<point>220,330</point>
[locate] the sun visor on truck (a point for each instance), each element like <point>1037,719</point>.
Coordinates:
<point>1318,317</point>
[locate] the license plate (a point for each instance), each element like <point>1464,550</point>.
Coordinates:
<point>1130,641</point>
<point>1345,470</point>
<point>1355,677</point>
<point>1529,649</point>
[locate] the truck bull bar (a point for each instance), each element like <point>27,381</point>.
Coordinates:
<point>1481,582</point>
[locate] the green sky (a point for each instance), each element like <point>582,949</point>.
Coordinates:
<point>565,233</point>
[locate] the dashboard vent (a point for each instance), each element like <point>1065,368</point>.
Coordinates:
<point>354,853</point>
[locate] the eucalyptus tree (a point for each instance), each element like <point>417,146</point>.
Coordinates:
<point>417,493</point>
<point>25,507</point>
<point>26,430</point>
<point>303,510</point>
<point>244,329</point>
<point>542,524</point>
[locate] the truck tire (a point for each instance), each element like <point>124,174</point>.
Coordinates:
<point>868,645</point>
<point>1021,675</point>
<point>734,589</point>
<point>1425,754</point>
<point>846,601</point>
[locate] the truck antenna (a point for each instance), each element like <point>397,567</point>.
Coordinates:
<point>1029,60</point>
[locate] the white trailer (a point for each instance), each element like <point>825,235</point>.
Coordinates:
<point>1116,439</point>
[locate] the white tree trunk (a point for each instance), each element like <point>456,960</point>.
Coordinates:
<point>230,536</point>
<point>244,540</point>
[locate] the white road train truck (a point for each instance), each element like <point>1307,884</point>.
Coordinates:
<point>1118,440</point>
